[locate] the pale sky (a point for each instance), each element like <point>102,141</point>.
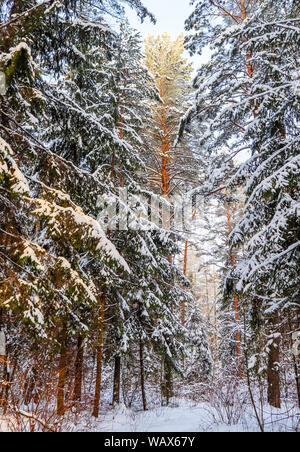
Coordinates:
<point>170,15</point>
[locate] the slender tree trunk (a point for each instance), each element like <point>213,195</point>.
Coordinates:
<point>8,379</point>
<point>297,365</point>
<point>117,381</point>
<point>165,149</point>
<point>162,381</point>
<point>30,386</point>
<point>295,360</point>
<point>236,303</point>
<point>274,396</point>
<point>185,273</point>
<point>78,370</point>
<point>297,379</point>
<point>185,264</point>
<point>4,377</point>
<point>238,336</point>
<point>165,187</point>
<point>113,163</point>
<point>121,134</point>
<point>142,367</point>
<point>62,374</point>
<point>2,352</point>
<point>2,337</point>
<point>169,384</point>
<point>3,364</point>
<point>99,357</point>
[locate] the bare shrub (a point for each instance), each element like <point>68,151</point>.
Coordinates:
<point>228,401</point>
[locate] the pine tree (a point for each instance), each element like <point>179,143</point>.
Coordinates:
<point>172,74</point>
<point>152,303</point>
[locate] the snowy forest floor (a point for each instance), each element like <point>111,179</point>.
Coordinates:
<point>183,415</point>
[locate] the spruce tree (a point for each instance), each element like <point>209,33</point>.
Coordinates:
<point>247,101</point>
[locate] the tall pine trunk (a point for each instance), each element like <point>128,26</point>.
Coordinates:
<point>295,357</point>
<point>185,262</point>
<point>232,261</point>
<point>297,378</point>
<point>274,396</point>
<point>77,394</point>
<point>142,368</point>
<point>117,381</point>
<point>167,382</point>
<point>62,374</point>
<point>99,356</point>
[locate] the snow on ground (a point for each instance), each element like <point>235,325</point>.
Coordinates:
<point>184,416</point>
<point>189,417</point>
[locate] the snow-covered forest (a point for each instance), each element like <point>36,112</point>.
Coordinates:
<point>150,218</point>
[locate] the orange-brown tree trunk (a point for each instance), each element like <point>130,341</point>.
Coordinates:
<point>185,263</point>
<point>62,374</point>
<point>185,273</point>
<point>99,356</point>
<point>78,370</point>
<point>236,302</point>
